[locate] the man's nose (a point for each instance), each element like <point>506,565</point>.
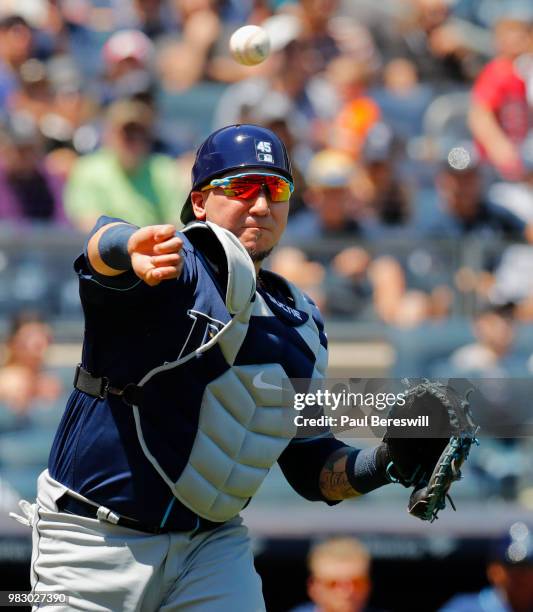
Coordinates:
<point>261,204</point>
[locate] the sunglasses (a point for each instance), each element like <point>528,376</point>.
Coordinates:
<point>356,583</point>
<point>247,186</point>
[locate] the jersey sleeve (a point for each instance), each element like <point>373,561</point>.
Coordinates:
<point>302,461</point>
<point>98,288</point>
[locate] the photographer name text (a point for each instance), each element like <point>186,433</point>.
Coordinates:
<point>366,421</point>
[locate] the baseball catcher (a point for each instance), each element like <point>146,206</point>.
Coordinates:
<point>178,414</point>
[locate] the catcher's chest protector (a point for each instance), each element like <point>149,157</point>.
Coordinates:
<point>230,390</point>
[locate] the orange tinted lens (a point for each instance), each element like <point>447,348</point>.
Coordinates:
<point>280,190</point>
<point>239,188</point>
<point>356,583</point>
<point>247,187</point>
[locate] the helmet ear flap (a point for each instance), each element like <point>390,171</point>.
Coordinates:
<point>234,147</point>
<point>187,213</point>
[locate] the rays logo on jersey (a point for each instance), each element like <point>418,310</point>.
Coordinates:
<point>202,330</point>
<point>263,151</point>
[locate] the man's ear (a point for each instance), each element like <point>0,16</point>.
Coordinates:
<point>198,205</point>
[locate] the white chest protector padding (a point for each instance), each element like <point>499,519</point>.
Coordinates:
<point>244,423</point>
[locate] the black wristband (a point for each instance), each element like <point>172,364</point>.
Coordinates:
<point>367,469</point>
<point>113,246</point>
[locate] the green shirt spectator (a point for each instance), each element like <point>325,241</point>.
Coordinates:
<point>124,179</point>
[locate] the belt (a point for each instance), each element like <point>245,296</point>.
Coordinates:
<point>73,505</point>
<point>100,387</point>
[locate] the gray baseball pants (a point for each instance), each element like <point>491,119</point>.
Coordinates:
<point>106,567</point>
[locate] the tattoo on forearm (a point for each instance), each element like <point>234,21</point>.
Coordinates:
<point>334,482</point>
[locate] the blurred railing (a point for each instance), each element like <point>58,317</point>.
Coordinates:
<point>36,272</point>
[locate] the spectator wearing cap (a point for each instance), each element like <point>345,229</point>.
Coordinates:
<point>128,56</point>
<point>510,574</point>
<point>29,191</point>
<point>332,207</point>
<point>15,49</point>
<point>124,178</point>
<point>499,116</point>
<point>388,198</point>
<point>463,209</point>
<point>334,211</point>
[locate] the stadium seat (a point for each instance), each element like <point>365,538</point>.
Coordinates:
<point>23,479</point>
<point>10,421</point>
<point>417,349</point>
<point>29,447</point>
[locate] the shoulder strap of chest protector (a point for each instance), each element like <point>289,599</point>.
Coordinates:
<point>238,267</point>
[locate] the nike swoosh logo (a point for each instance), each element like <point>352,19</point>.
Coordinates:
<point>261,384</point>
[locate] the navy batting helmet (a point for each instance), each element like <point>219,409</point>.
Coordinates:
<point>234,147</point>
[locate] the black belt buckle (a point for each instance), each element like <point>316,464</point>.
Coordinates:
<point>88,383</point>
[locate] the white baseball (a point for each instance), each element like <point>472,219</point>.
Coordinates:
<point>249,45</point>
<point>459,158</point>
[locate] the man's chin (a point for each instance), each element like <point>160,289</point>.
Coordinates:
<point>258,254</point>
<point>257,249</point>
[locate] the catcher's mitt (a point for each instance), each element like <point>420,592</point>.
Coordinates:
<point>429,457</point>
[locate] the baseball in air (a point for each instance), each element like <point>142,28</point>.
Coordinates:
<point>249,45</point>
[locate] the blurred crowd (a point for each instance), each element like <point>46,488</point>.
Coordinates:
<point>409,126</point>
<point>340,578</point>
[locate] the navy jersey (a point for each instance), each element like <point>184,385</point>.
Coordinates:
<point>132,328</point>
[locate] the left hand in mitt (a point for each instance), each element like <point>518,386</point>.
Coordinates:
<point>429,458</point>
